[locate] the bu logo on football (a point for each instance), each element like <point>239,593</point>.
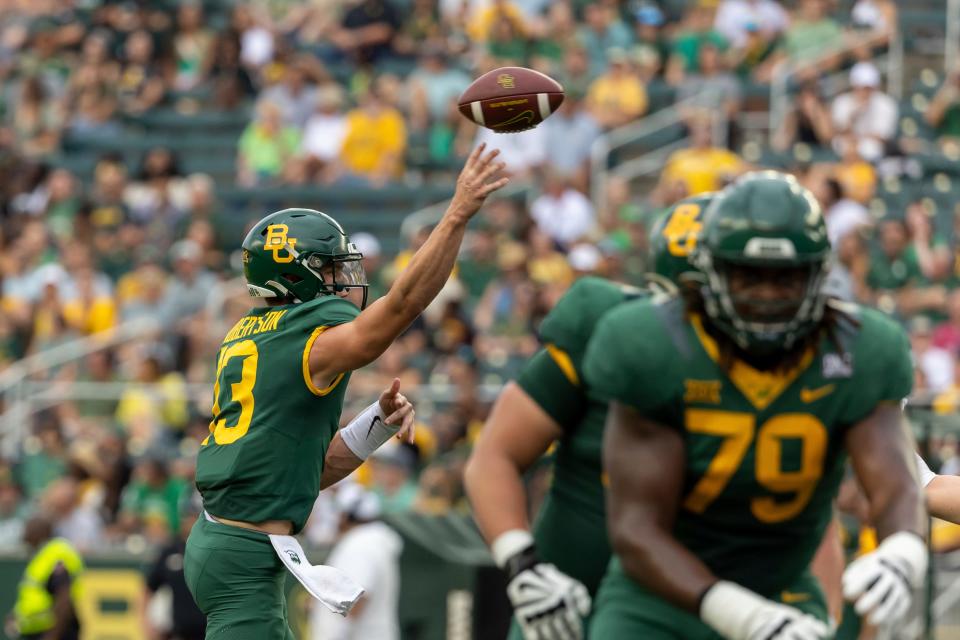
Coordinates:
<point>278,241</point>
<point>505,80</point>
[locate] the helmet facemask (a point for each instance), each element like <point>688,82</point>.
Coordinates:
<point>340,275</point>
<point>768,324</point>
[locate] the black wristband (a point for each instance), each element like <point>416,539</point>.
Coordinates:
<point>521,561</point>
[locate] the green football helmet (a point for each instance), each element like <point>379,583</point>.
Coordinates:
<point>673,238</point>
<point>764,220</point>
<point>301,254</point>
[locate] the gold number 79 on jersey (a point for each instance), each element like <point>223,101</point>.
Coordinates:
<point>737,431</point>
<point>240,392</point>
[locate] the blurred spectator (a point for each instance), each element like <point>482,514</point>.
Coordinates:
<point>842,214</point>
<point>477,266</point>
<point>848,275</point>
<point>562,212</point>
<point>46,606</point>
<point>366,31</point>
<point>737,19</point>
<point>812,33</point>
<point>603,32</point>
<point>421,28</point>
<point>141,86</point>
<point>892,267</point>
<point>946,335</point>
<point>486,17</point>
<point>547,264</point>
<point>151,502</point>
<point>857,176</point>
<point>13,510</point>
<point>570,134</point>
<point>63,204</point>
<point>505,43</point>
<point>183,620</point>
<point>433,86</point>
<point>712,88</point>
<point>937,364</point>
<point>807,122</point>
<point>266,147</point>
<point>931,249</point>
<point>45,456</point>
<point>153,196</point>
<point>575,74</point>
<point>943,113</point>
<point>192,43</point>
<point>877,17</point>
<point>293,95</point>
<point>374,142</point>
<point>523,153</point>
<point>557,35</point>
<point>324,133</point>
<point>617,96</point>
<point>368,550</point>
<point>585,259</point>
<point>651,48</point>
<point>94,113</point>
<point>703,167</point>
<point>75,514</point>
<point>695,30</point>
<point>188,290</point>
<point>155,395</point>
<point>225,66</point>
<point>36,118</point>
<point>391,474</point>
<point>865,118</point>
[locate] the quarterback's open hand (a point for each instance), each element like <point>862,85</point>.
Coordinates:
<point>477,180</point>
<point>881,584</point>
<point>399,411</point>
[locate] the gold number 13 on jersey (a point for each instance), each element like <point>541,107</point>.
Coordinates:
<point>240,392</point>
<point>738,431</point>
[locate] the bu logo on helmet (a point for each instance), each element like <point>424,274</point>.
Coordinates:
<point>278,241</point>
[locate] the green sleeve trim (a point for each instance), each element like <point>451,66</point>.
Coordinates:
<point>546,383</point>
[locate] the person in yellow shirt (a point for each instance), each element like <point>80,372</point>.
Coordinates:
<point>89,311</point>
<point>702,167</point>
<point>481,24</point>
<point>375,141</point>
<point>618,96</point>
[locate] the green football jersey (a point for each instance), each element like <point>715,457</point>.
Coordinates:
<point>271,425</point>
<point>571,529</point>
<point>764,451</point>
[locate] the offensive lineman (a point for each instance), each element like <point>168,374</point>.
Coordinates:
<point>552,571</point>
<point>281,377</point>
<point>724,462</point>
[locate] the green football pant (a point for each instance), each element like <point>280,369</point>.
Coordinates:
<point>624,609</point>
<point>237,580</point>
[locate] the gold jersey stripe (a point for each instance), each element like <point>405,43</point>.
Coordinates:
<point>314,389</point>
<point>564,362</point>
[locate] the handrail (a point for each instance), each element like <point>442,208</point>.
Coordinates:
<point>785,70</point>
<point>432,213</point>
<point>951,54</point>
<point>74,350</point>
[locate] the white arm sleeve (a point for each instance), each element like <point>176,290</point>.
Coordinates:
<point>924,471</point>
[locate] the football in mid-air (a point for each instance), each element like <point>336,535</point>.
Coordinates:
<point>511,99</point>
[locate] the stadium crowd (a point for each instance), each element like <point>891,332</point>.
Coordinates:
<point>350,93</point>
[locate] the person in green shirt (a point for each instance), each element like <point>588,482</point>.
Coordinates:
<point>151,502</point>
<point>266,146</point>
<point>944,111</point>
<point>812,33</point>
